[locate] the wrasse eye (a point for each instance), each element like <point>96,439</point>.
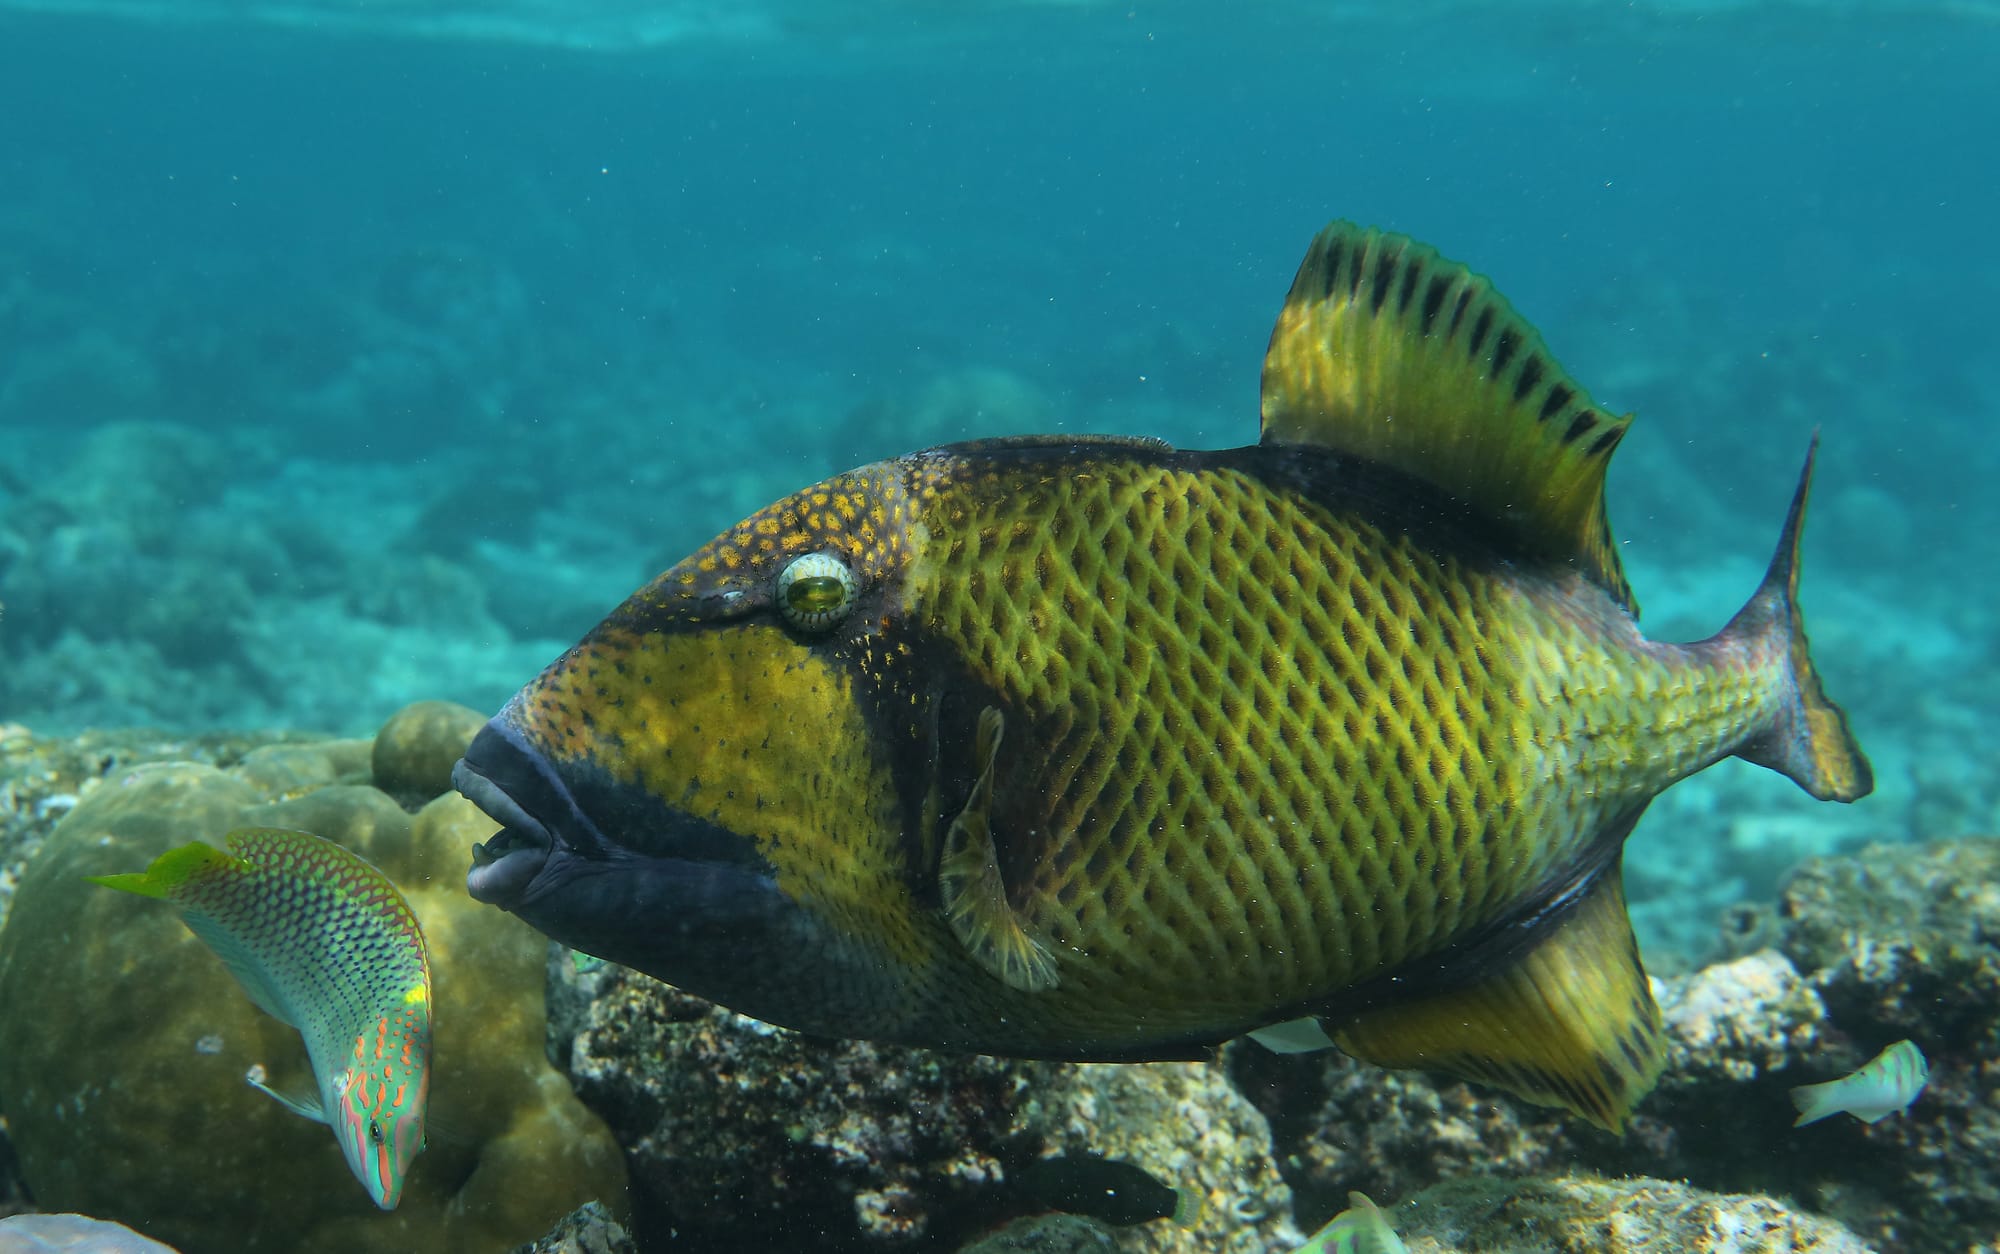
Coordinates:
<point>816,591</point>
<point>375,1132</point>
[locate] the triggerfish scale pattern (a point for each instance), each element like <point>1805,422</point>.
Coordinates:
<point>321,939</point>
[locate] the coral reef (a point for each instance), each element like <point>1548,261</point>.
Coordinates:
<point>589,1229</point>
<point>1580,1214</point>
<point>170,1035</point>
<point>739,1132</point>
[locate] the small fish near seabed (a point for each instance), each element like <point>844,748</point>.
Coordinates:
<point>1092,748</point>
<point>1885,1085</point>
<point>1360,1229</point>
<point>320,939</point>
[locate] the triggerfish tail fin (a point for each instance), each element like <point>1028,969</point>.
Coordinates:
<point>1809,742</point>
<point>1388,351</point>
<point>1569,1022</point>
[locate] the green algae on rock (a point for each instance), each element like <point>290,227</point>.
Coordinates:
<point>139,1039</point>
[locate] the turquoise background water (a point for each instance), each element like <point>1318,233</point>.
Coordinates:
<point>343,363</point>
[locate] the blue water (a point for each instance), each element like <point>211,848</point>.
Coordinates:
<point>344,366</point>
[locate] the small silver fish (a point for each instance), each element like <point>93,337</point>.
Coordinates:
<point>1360,1229</point>
<point>1886,1084</point>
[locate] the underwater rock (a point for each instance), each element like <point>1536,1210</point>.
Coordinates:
<point>72,1234</point>
<point>1046,1234</point>
<point>1903,941</point>
<point>589,1229</point>
<point>156,1036</point>
<point>739,1133</point>
<point>1582,1214</point>
<point>415,750</point>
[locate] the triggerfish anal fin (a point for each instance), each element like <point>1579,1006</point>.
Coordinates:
<point>322,940</point>
<point>1388,351</point>
<point>971,888</point>
<point>1569,1022</point>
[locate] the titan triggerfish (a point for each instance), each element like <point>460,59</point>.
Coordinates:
<point>320,939</point>
<point>1093,748</point>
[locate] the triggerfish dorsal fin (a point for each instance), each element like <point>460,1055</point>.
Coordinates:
<point>1388,351</point>
<point>1570,1022</point>
<point>973,893</point>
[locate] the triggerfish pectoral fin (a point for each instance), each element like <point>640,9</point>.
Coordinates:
<point>320,939</point>
<point>975,896</point>
<point>1571,1022</point>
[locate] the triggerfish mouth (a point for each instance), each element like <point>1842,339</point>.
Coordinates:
<point>320,938</point>
<point>1093,748</point>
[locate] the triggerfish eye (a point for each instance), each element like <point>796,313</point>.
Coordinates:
<point>815,591</point>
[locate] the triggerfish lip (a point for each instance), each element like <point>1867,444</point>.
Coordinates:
<point>514,784</point>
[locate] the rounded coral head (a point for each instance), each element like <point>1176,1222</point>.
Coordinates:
<point>378,1111</point>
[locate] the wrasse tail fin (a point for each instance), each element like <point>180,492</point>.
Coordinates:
<point>1815,1102</point>
<point>1569,1022</point>
<point>1388,351</point>
<point>1810,743</point>
<point>170,878</point>
<point>170,870</point>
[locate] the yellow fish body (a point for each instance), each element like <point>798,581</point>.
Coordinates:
<point>1094,748</point>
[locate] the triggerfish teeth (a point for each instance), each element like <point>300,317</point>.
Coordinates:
<point>1091,748</point>
<point>359,994</point>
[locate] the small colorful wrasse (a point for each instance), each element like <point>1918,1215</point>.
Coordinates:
<point>1886,1084</point>
<point>322,940</point>
<point>1360,1229</point>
